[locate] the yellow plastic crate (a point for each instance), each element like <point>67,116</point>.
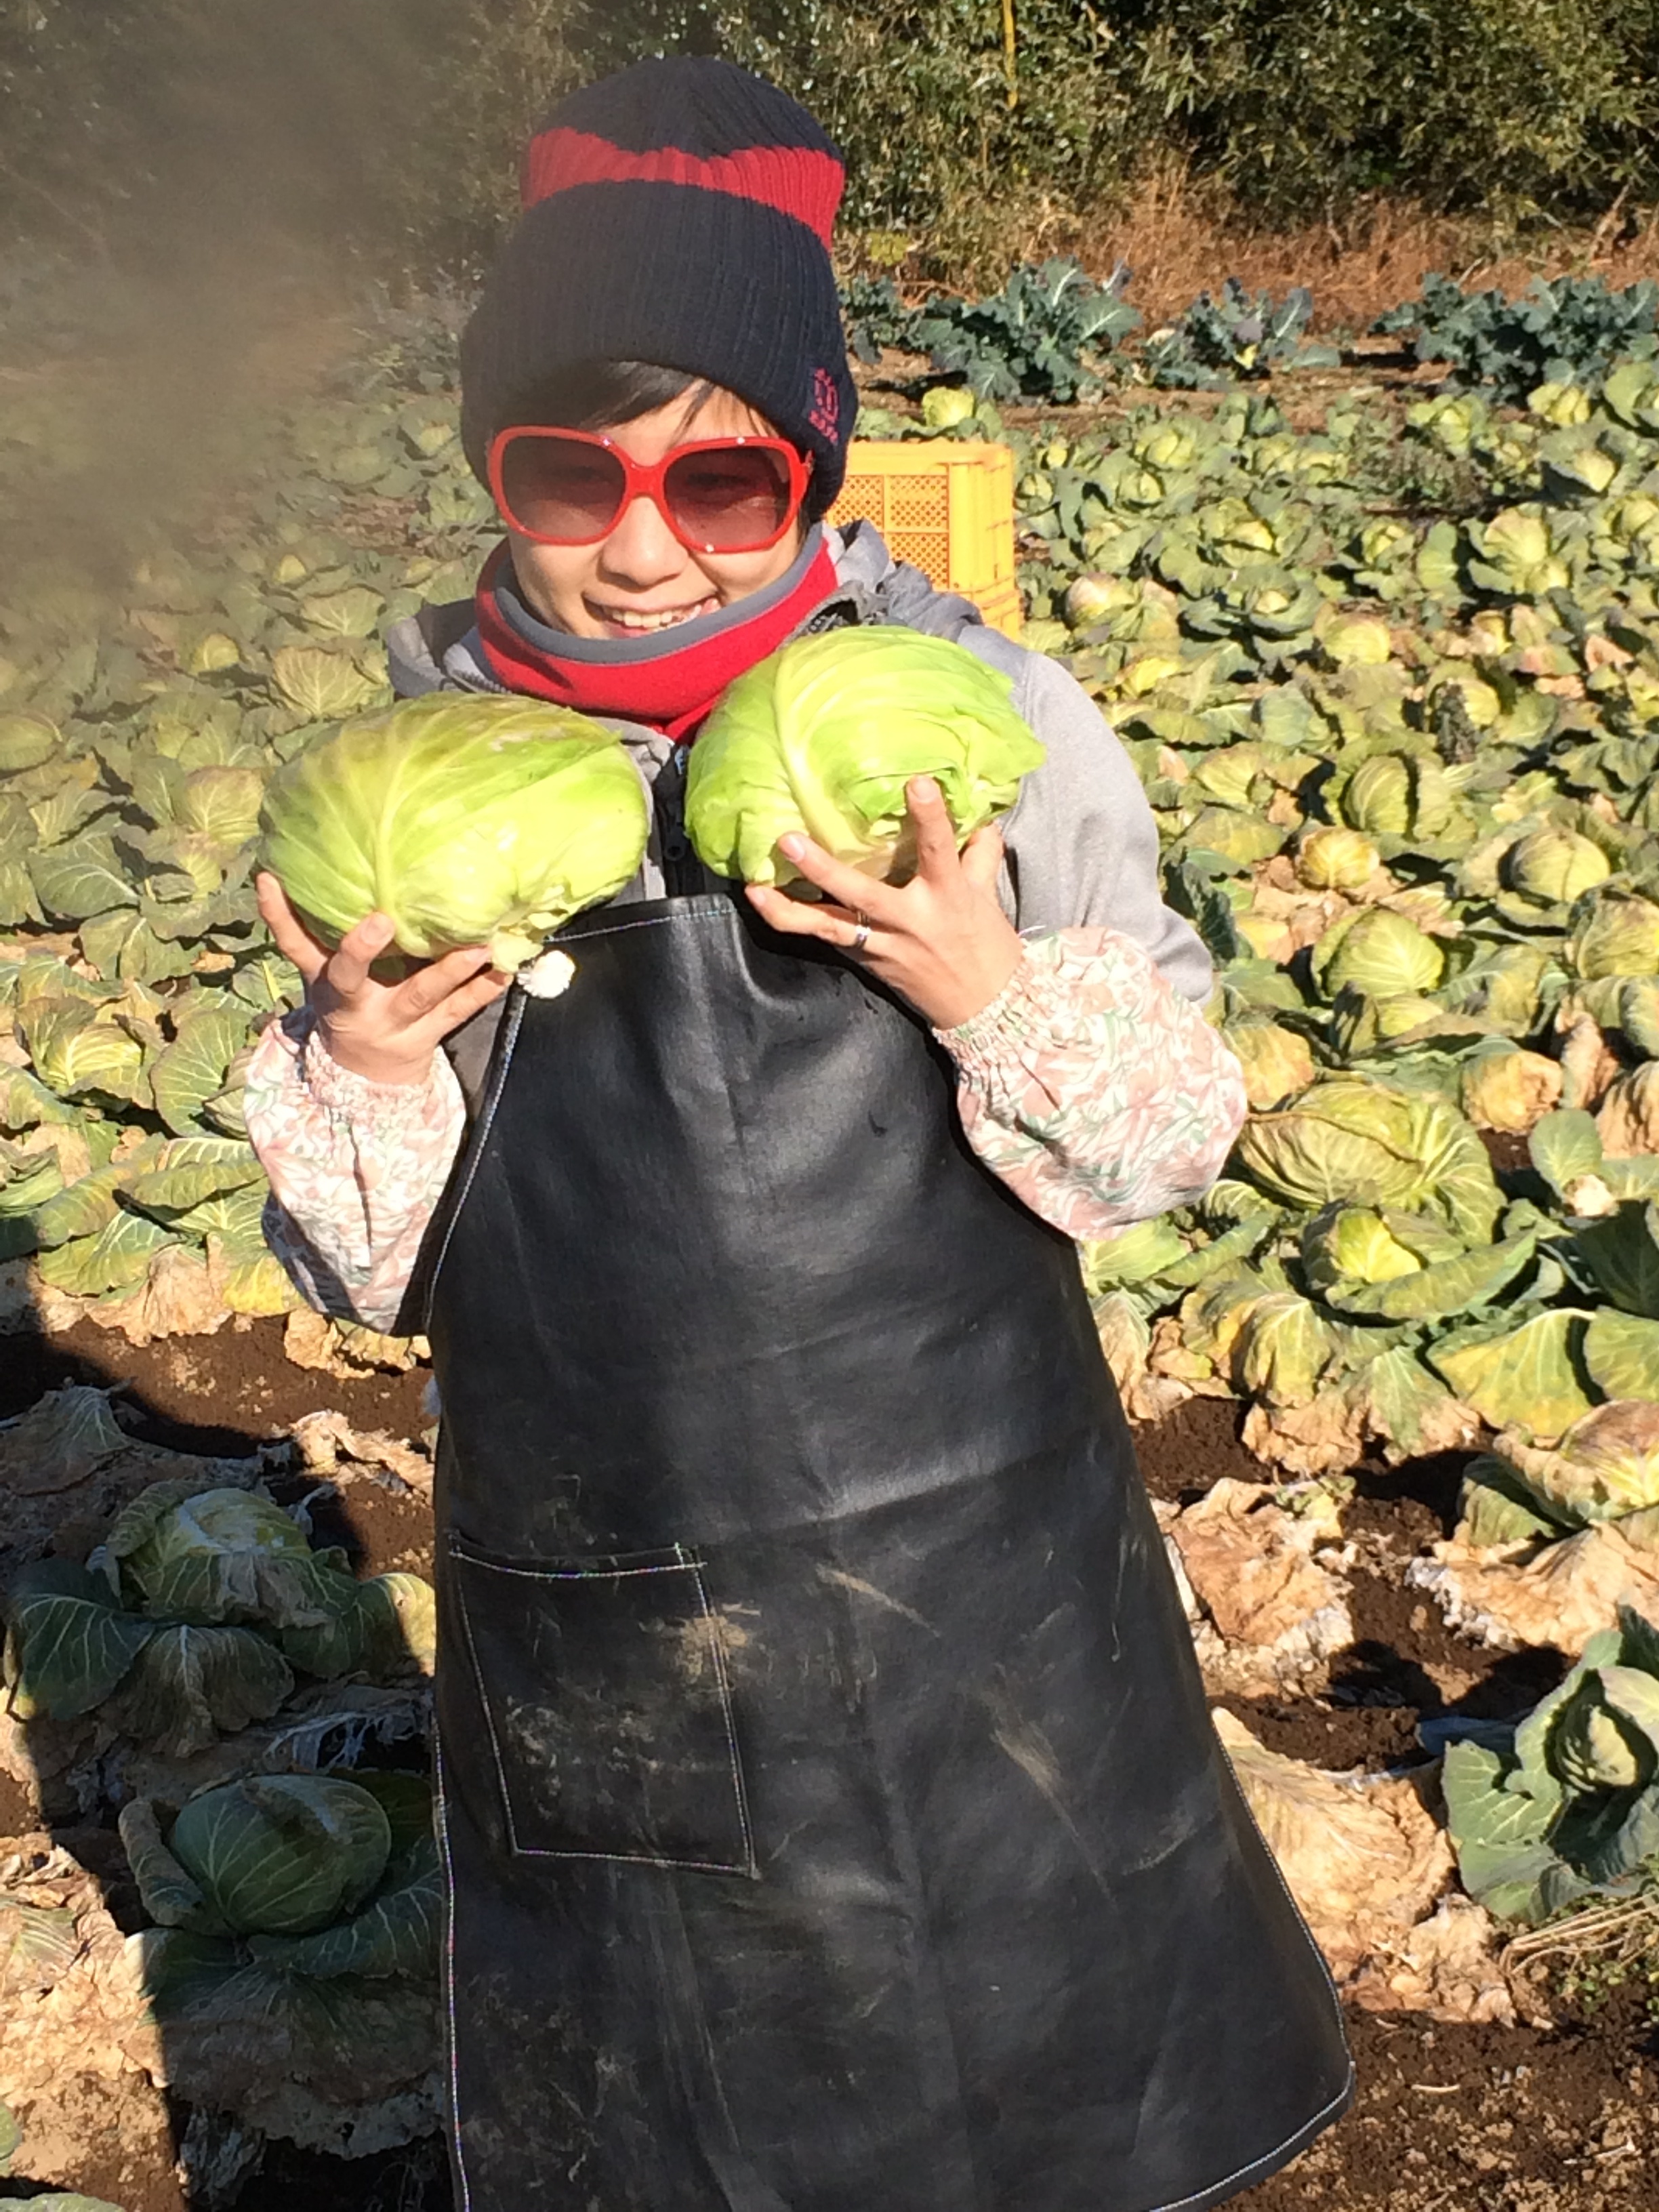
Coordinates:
<point>946,506</point>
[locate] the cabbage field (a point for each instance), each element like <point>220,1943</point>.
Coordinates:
<point>1386,657</point>
<point>1407,775</point>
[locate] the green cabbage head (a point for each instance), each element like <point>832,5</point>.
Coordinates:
<point>1606,1734</point>
<point>822,738</point>
<point>1606,1465</point>
<point>1381,953</point>
<point>1354,1242</point>
<point>1282,1349</point>
<point>1397,795</point>
<point>1334,858</point>
<point>223,1556</point>
<point>282,1854</point>
<point>1358,1143</point>
<point>467,820</point>
<point>1617,935</point>
<point>1555,864</point>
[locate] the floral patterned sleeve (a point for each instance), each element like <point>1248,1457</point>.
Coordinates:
<point>356,1169</point>
<point>1095,1091</point>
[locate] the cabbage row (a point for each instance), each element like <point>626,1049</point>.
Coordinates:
<point>1405,767</point>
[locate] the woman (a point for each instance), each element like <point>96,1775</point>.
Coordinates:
<point>832,1816</point>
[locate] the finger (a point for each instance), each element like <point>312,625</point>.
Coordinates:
<point>936,835</point>
<point>427,988</point>
<point>462,1003</point>
<point>790,917</point>
<point>982,858</point>
<point>288,933</point>
<point>357,951</point>
<point>858,893</point>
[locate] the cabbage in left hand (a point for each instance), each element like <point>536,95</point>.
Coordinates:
<point>467,820</point>
<point>823,736</point>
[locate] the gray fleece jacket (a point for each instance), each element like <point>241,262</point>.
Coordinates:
<point>1081,843</point>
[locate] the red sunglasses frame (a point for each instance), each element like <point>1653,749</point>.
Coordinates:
<point>645,480</point>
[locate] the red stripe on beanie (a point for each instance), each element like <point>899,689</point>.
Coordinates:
<point>797,181</point>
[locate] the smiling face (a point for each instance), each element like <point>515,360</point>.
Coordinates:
<point>641,579</point>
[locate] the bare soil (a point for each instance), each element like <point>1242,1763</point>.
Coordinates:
<point>225,1394</point>
<point>1532,2118</point>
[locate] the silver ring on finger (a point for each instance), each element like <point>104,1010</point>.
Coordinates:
<point>861,935</point>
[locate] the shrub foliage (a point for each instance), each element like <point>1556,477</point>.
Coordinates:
<point>403,117</point>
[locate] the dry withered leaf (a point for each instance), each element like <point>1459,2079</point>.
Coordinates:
<point>1509,1595</point>
<point>59,1442</point>
<point>1628,1121</point>
<point>1125,1340</point>
<point>1361,1853</point>
<point>181,1297</point>
<point>1588,1063</point>
<point>1321,1438</point>
<point>329,1446</point>
<point>1447,1966</point>
<point>79,2060</point>
<point>1264,1611</point>
<point>341,1349</point>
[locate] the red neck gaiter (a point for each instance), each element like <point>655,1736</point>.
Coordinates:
<point>673,692</point>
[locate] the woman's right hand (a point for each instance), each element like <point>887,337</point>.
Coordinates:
<point>385,1032</point>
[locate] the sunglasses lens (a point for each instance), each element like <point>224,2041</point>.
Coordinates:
<point>561,488</point>
<point>730,499</point>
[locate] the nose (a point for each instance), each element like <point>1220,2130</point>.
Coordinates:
<point>641,551</point>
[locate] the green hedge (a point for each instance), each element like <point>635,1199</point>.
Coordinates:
<point>396,121</point>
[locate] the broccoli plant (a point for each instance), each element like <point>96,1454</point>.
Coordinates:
<point>1044,335</point>
<point>876,316</point>
<point>1569,331</point>
<point>1233,335</point>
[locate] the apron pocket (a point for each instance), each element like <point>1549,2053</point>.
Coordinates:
<point>603,1687</point>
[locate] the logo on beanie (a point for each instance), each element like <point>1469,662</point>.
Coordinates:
<point>825,413</point>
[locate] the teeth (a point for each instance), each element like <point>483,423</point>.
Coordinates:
<point>627,618</point>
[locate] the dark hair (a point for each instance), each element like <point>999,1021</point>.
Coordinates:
<point>592,394</point>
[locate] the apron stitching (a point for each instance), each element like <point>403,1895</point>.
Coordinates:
<point>656,921</point>
<point>489,1717</point>
<point>577,1574</point>
<point>1228,2181</point>
<point>486,1120</point>
<point>636,1858</point>
<point>449,1980</point>
<point>721,1676</point>
<point>747,1866</point>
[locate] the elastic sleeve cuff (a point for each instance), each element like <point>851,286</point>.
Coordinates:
<point>1034,1005</point>
<point>354,1099</point>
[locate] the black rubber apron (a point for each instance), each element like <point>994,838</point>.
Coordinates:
<point>834,1819</point>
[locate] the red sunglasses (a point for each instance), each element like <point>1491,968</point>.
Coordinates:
<point>716,495</point>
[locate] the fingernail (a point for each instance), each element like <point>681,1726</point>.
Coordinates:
<point>924,786</point>
<point>793,846</point>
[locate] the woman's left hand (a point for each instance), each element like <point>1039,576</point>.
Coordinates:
<point>941,941</point>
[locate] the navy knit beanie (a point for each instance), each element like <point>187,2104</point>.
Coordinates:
<point>678,213</point>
